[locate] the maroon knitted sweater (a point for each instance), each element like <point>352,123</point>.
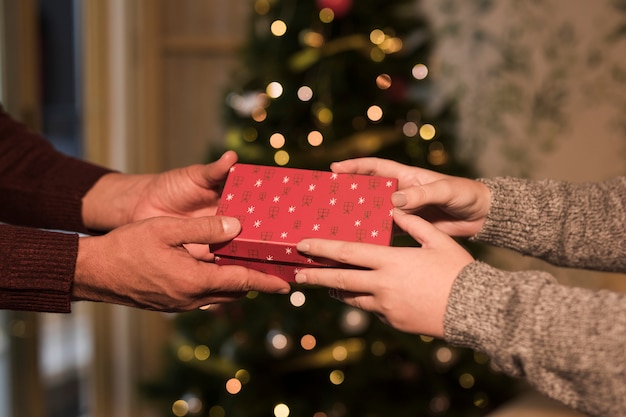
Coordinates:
<point>40,188</point>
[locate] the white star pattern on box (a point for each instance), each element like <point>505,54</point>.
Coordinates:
<point>277,207</point>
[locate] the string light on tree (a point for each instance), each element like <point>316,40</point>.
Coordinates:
<point>322,81</point>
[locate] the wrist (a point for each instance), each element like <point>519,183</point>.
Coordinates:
<point>108,204</point>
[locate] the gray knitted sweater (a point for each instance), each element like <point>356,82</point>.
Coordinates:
<point>570,343</point>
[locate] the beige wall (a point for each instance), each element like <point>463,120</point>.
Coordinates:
<point>541,89</point>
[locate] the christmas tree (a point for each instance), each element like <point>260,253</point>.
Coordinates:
<point>324,80</point>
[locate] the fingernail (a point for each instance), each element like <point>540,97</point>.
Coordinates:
<point>398,199</point>
<point>284,291</point>
<point>300,278</point>
<point>303,246</point>
<point>230,225</point>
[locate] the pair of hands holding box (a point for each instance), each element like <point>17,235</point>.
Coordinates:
<point>169,223</point>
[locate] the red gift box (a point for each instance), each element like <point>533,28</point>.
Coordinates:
<point>278,207</point>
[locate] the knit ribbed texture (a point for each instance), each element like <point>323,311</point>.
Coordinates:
<point>568,342</point>
<point>39,188</point>
<point>37,269</point>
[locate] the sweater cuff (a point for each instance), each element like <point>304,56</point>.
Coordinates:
<point>487,307</point>
<point>514,217</point>
<point>37,269</point>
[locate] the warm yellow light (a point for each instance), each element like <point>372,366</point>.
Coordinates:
<point>277,141</point>
<point>202,352</point>
<point>281,158</point>
<point>243,376</point>
<point>377,54</point>
<point>377,36</point>
<point>185,353</point>
<point>233,386</point>
<point>325,116</point>
<point>374,113</point>
<point>180,408</point>
<point>315,138</point>
<point>327,15</point>
<point>336,377</point>
<point>308,342</point>
<point>262,7</point>
<point>340,353</point>
<point>281,410</point>
<point>312,39</point>
<point>427,131</point>
<point>419,71</point>
<point>466,380</point>
<point>274,89</point>
<point>391,45</point>
<point>278,28</point>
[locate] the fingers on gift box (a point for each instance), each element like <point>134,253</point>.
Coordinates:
<point>278,207</point>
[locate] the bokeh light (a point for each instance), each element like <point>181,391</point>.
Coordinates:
<point>297,298</point>
<point>375,113</point>
<point>305,93</point>
<point>315,138</point>
<point>308,342</point>
<point>274,89</point>
<point>383,81</point>
<point>427,131</point>
<point>277,141</point>
<point>281,157</point>
<point>281,410</point>
<point>278,28</point>
<point>327,15</point>
<point>233,386</point>
<point>419,71</point>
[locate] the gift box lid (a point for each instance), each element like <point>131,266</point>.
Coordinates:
<point>278,207</point>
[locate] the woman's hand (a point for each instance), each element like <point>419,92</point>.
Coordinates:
<point>456,206</point>
<point>407,288</point>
